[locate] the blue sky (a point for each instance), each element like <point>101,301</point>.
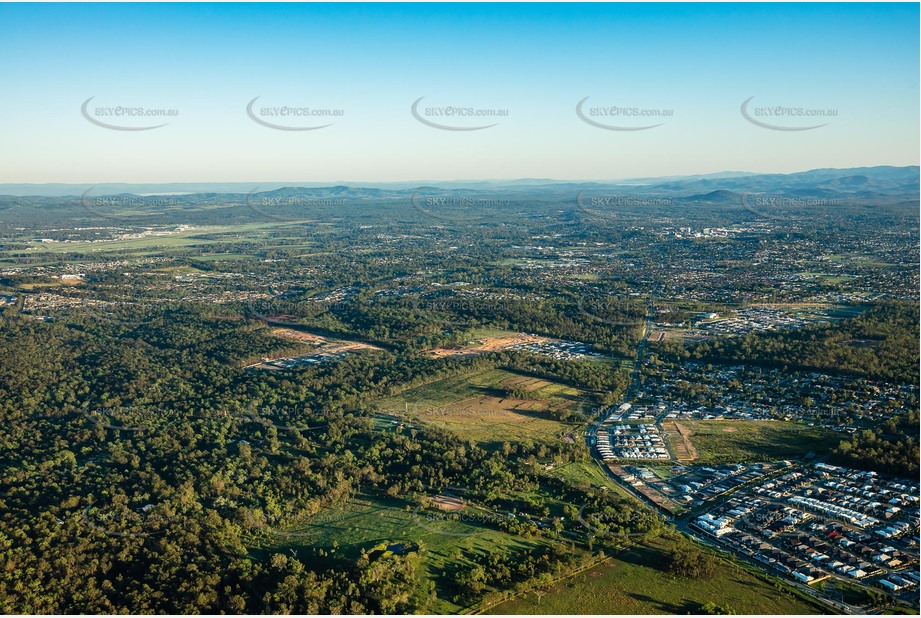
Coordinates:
<point>697,63</point>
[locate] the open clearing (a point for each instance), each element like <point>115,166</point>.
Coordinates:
<point>323,349</point>
<point>476,406</point>
<point>718,441</point>
<point>631,582</point>
<point>448,503</point>
<point>526,383</point>
<point>486,344</point>
<point>297,335</point>
<point>57,282</point>
<point>365,522</point>
<point>588,474</point>
<point>491,419</point>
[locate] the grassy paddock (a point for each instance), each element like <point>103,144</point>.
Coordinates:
<point>741,441</point>
<point>588,474</point>
<point>365,522</point>
<point>633,582</point>
<point>476,406</point>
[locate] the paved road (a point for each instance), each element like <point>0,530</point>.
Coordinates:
<point>683,524</point>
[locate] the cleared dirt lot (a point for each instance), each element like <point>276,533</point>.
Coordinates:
<point>322,348</point>
<point>487,344</point>
<point>448,503</point>
<point>297,335</point>
<point>679,440</point>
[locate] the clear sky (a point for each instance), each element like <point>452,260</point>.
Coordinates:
<point>537,61</point>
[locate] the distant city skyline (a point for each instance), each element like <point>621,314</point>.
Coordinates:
<point>452,92</point>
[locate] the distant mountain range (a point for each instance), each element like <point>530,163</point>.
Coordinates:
<point>860,183</point>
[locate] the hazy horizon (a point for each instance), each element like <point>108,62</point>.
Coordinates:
<point>216,186</point>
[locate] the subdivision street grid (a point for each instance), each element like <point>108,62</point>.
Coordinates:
<point>816,525</point>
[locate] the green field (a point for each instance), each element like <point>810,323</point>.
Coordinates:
<point>631,582</point>
<point>741,441</point>
<point>827,277</point>
<point>476,407</point>
<point>365,522</point>
<point>588,474</point>
<point>663,472</point>
<point>439,393</point>
<point>483,333</point>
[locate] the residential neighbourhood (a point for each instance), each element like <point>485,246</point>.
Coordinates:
<point>626,441</point>
<point>843,403</point>
<point>819,521</point>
